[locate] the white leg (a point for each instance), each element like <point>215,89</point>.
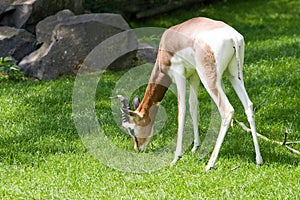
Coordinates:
<point>238,85</point>
<point>181,91</point>
<point>226,111</point>
<point>212,81</point>
<point>193,102</point>
<point>235,75</point>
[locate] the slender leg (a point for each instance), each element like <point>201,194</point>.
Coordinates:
<point>215,90</point>
<point>226,111</point>
<point>238,85</point>
<point>235,76</point>
<point>193,102</point>
<point>181,91</point>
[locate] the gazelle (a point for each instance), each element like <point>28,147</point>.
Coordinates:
<point>198,49</point>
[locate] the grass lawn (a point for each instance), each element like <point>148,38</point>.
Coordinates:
<point>43,157</point>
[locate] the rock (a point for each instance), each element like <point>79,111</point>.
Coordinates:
<point>45,27</point>
<point>70,42</point>
<point>146,53</point>
<point>16,42</point>
<point>27,13</point>
<point>4,4</point>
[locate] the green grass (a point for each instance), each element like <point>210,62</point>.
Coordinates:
<point>42,156</point>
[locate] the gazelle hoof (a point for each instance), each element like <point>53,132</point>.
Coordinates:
<point>208,167</point>
<point>259,160</point>
<point>175,160</point>
<point>194,149</point>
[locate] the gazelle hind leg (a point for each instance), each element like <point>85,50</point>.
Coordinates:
<point>193,103</point>
<point>226,112</point>
<point>216,92</point>
<point>239,87</point>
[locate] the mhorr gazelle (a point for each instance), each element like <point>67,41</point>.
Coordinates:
<point>198,49</point>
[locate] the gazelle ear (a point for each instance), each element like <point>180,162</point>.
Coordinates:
<point>135,116</point>
<point>136,102</point>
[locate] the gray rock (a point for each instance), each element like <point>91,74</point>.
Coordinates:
<point>72,39</point>
<point>27,13</point>
<point>146,53</point>
<point>16,42</point>
<point>45,27</point>
<point>4,4</point>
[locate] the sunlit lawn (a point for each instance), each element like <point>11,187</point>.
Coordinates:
<point>42,156</point>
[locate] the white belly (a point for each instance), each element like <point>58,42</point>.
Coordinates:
<point>183,63</point>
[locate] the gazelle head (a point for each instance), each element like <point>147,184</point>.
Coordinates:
<point>139,127</point>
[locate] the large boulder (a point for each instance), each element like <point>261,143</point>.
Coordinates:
<point>146,53</point>
<point>68,40</point>
<point>45,27</point>
<point>4,4</point>
<point>16,42</point>
<point>27,13</point>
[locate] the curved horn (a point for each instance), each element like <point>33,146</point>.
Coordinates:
<point>124,101</point>
<point>136,102</point>
<point>125,107</point>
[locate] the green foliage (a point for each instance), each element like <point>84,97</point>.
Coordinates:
<point>121,6</point>
<point>9,70</point>
<point>42,156</point>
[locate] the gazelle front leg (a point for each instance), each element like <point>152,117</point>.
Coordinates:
<point>180,82</point>
<point>193,103</point>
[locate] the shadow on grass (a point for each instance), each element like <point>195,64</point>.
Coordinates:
<point>239,144</point>
<point>37,122</point>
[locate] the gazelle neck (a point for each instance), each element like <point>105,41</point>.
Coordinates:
<point>158,85</point>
